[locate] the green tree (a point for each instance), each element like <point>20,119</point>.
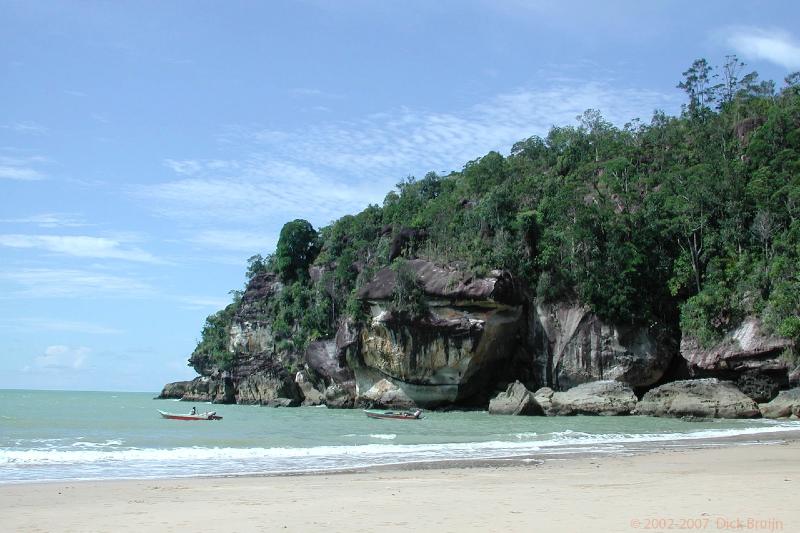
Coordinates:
<point>297,247</point>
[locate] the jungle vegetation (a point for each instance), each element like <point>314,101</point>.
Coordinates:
<point>689,221</point>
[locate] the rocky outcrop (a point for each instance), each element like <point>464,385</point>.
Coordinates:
<point>449,283</point>
<point>453,353</point>
<point>544,397</point>
<point>215,389</point>
<point>701,398</point>
<point>785,405</point>
<point>386,395</point>
<point>311,396</point>
<point>596,398</point>
<point>258,370</point>
<point>263,387</point>
<point>516,400</point>
<point>574,346</point>
<point>747,354</point>
<point>174,390</point>
<point>327,360</point>
<point>337,397</point>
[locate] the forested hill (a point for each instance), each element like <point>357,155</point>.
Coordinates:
<point>689,222</point>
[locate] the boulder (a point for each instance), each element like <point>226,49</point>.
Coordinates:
<point>282,402</point>
<point>311,396</point>
<point>702,398</point>
<point>785,405</point>
<point>595,398</point>
<point>386,395</point>
<point>574,346</point>
<point>544,397</point>
<point>794,376</point>
<point>516,400</point>
<point>337,397</point>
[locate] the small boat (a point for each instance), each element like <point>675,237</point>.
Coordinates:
<point>210,415</point>
<point>394,415</point>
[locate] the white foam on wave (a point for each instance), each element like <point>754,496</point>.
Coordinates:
<point>383,436</point>
<point>358,455</point>
<point>82,444</point>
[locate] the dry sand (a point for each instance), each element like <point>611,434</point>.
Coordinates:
<point>667,490</point>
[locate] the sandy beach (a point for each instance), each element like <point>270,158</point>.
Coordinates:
<point>734,488</point>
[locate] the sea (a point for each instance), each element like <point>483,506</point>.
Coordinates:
<point>60,435</point>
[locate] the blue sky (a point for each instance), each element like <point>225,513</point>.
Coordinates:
<point>147,149</point>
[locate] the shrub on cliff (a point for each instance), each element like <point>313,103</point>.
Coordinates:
<point>297,247</point>
<point>408,298</point>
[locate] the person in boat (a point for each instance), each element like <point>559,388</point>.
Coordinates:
<point>194,411</point>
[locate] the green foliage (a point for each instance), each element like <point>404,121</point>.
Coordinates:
<point>215,336</point>
<point>257,264</point>
<point>408,298</point>
<point>297,247</point>
<point>693,219</point>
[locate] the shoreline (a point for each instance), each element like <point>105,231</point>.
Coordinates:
<point>732,480</point>
<point>566,453</point>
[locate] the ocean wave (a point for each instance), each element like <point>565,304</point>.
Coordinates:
<point>383,436</point>
<point>83,444</point>
<point>357,455</point>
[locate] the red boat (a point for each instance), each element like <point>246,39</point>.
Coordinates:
<point>394,415</point>
<point>211,415</point>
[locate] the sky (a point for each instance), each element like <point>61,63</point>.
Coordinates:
<point>148,148</point>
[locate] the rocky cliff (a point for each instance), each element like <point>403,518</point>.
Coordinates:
<point>748,355</point>
<point>476,335</point>
<point>573,346</point>
<point>257,372</point>
<point>456,351</point>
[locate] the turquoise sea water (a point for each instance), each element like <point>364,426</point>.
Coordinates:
<point>50,435</point>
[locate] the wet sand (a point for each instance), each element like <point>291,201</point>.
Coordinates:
<point>737,487</point>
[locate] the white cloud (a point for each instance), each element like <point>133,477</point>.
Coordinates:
<point>306,92</point>
<point>73,283</point>
<point>325,171</point>
<point>59,358</point>
<point>235,240</point>
<point>206,303</point>
<point>71,326</point>
<point>261,190</point>
<point>774,45</point>
<point>50,220</point>
<point>79,246</point>
<point>26,127</point>
<point>20,173</point>
<point>187,166</point>
<point>21,168</point>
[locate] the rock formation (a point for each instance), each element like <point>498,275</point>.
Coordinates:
<point>454,352</point>
<point>701,398</point>
<point>595,398</point>
<point>747,354</point>
<point>516,400</point>
<point>574,346</point>
<point>786,404</point>
<point>386,395</point>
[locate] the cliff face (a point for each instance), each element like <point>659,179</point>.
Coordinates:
<point>456,350</point>
<point>258,373</point>
<point>573,346</point>
<point>747,354</point>
<point>477,335</point>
